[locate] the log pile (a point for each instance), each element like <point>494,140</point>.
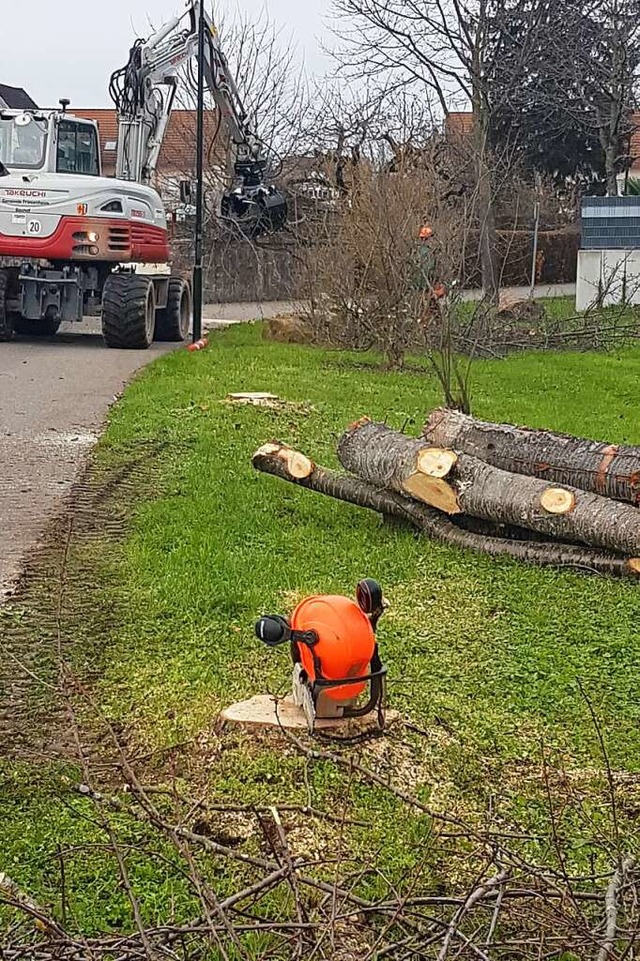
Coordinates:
<point>541,497</point>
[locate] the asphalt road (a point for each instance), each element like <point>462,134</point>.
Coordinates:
<point>54,397</point>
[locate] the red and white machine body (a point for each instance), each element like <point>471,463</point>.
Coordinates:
<point>80,218</point>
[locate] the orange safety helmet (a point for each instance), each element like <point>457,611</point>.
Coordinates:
<point>426,232</point>
<point>345,647</point>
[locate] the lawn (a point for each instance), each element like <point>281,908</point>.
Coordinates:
<point>494,666</point>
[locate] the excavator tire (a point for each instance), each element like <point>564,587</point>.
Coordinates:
<point>6,320</point>
<point>128,311</point>
<point>173,322</point>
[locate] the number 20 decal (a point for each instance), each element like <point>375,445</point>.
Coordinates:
<point>35,227</point>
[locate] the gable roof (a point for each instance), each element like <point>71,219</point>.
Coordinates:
<point>179,146</point>
<point>15,98</point>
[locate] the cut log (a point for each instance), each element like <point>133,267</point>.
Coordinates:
<point>296,463</point>
<point>493,529</point>
<point>368,449</point>
<point>607,469</point>
<point>439,528</point>
<point>401,463</point>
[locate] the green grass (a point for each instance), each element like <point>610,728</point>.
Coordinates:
<point>485,655</point>
<point>226,543</point>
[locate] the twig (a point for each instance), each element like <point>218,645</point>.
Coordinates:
<point>474,897</point>
<point>12,894</point>
<point>212,846</point>
<point>611,908</point>
<point>307,810</point>
<point>607,764</point>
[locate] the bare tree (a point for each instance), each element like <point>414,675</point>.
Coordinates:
<point>602,67</point>
<point>446,49</point>
<point>572,107</point>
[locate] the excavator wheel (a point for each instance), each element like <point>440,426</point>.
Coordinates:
<point>174,321</point>
<point>128,311</point>
<point>6,319</point>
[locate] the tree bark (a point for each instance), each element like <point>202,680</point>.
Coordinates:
<point>439,528</point>
<point>475,487</point>
<point>495,529</point>
<point>486,201</point>
<point>608,469</point>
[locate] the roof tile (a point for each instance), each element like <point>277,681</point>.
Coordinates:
<point>177,156</point>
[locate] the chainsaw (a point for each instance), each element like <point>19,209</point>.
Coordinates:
<point>335,653</point>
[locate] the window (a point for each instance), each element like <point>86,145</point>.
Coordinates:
<point>22,141</point>
<point>77,149</point>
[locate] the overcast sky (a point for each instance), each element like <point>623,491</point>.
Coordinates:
<point>69,48</point>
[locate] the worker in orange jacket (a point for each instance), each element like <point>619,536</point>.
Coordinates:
<point>426,266</point>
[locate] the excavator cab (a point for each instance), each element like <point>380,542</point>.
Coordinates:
<point>48,142</point>
<point>23,140</point>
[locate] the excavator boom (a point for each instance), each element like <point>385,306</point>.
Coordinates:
<point>73,242</point>
<point>144,92</point>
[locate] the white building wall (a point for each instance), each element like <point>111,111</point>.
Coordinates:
<point>607,277</point>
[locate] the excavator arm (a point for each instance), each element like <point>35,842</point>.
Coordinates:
<point>144,91</point>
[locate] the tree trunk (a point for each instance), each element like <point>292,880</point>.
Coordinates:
<point>607,469</point>
<point>486,212</point>
<point>433,524</point>
<point>611,169</point>
<point>495,529</point>
<point>474,487</point>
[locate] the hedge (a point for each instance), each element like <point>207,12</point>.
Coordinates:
<point>557,261</point>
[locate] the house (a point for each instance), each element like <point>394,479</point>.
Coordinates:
<point>177,160</point>
<point>634,149</point>
<point>15,98</point>
<point>458,124</point>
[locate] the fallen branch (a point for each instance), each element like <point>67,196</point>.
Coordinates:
<point>492,884</point>
<point>611,907</point>
<point>438,527</point>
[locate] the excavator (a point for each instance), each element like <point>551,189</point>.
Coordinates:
<point>74,243</point>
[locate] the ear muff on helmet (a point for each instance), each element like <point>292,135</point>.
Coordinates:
<point>274,630</point>
<point>369,596</point>
<point>370,600</point>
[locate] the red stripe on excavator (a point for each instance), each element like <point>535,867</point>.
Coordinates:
<point>119,241</point>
